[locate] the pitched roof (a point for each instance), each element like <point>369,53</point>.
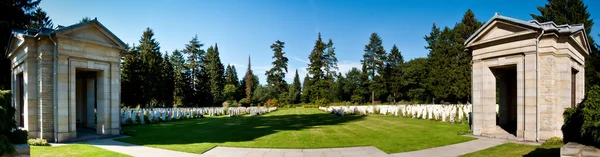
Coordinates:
<point>546,26</point>
<point>48,31</point>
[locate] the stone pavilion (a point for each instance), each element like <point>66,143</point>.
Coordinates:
<point>66,80</point>
<point>533,71</point>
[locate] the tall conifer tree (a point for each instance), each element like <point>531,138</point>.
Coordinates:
<point>374,65</point>
<point>318,83</point>
<point>249,81</point>
<point>276,75</point>
<point>151,68</point>
<point>182,80</point>
<point>130,76</point>
<point>297,88</point>
<point>463,30</point>
<point>215,73</point>
<point>168,77</point>
<point>39,19</point>
<point>395,74</point>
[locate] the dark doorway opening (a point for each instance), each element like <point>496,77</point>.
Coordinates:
<point>506,97</point>
<point>86,104</point>
<point>21,88</point>
<point>573,88</point>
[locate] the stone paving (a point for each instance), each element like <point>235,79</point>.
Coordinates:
<point>455,149</point>
<point>367,151</point>
<point>137,150</point>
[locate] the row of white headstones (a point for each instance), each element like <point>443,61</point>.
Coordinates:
<point>445,113</point>
<point>169,114</point>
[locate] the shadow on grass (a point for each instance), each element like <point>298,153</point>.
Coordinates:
<point>544,152</point>
<point>229,129</point>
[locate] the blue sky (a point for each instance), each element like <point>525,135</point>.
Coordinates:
<point>242,27</point>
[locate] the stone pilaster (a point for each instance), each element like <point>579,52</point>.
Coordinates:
<point>115,98</point>
<point>64,110</point>
<point>31,96</point>
<point>548,95</point>
<point>476,87</point>
<point>484,99</point>
<point>520,98</point>
<point>530,110</point>
<point>45,84</point>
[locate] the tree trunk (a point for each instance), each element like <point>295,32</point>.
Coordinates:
<point>372,97</point>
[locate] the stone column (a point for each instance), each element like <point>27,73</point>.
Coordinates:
<point>530,111</point>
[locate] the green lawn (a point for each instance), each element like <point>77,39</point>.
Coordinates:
<point>513,149</point>
<point>72,150</point>
<point>298,128</point>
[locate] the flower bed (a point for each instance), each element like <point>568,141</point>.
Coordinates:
<point>142,116</point>
<point>455,113</point>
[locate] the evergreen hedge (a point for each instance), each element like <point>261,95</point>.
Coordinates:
<point>582,123</point>
<point>7,122</point>
<point>7,113</point>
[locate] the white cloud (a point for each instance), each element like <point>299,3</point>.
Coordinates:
<point>303,61</point>
<point>345,66</point>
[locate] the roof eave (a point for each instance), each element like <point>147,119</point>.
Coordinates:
<point>504,19</point>
<point>120,42</point>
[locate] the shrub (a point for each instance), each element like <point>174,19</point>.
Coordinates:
<point>390,98</point>
<point>272,103</point>
<point>129,132</point>
<point>464,119</point>
<point>147,119</point>
<point>128,122</point>
<point>582,122</point>
<point>18,137</point>
<point>322,102</point>
<point>554,141</point>
<point>244,102</point>
<point>37,142</point>
<point>356,98</point>
<point>225,104</point>
<point>138,119</point>
<point>6,146</point>
<point>403,102</point>
<point>310,106</point>
<point>7,113</point>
